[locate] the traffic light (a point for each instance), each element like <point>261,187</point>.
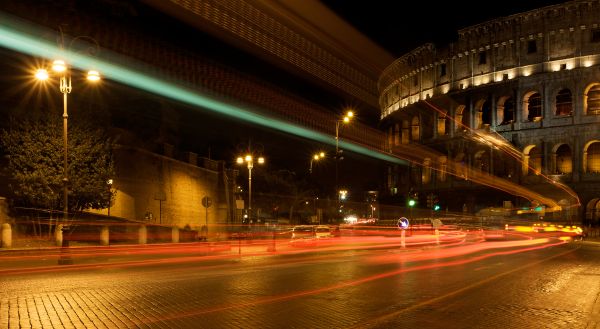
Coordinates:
<point>411,202</point>
<point>436,203</point>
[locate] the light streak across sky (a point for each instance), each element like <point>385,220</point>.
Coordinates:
<point>23,38</point>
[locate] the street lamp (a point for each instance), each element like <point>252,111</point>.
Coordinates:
<point>109,183</point>
<point>63,72</point>
<point>315,157</point>
<point>345,119</point>
<point>249,159</point>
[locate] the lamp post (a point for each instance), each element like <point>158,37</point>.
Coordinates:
<point>315,157</point>
<point>62,70</point>
<point>345,119</point>
<point>249,159</point>
<point>109,183</point>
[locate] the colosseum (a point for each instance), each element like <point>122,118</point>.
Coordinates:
<point>516,98</point>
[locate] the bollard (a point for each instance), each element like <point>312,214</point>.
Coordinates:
<point>63,236</point>
<point>104,236</point>
<point>142,234</point>
<point>58,235</point>
<point>6,236</point>
<point>175,234</point>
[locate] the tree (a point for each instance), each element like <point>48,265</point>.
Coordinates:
<point>286,190</point>
<point>35,164</point>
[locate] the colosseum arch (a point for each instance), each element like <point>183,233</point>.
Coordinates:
<point>592,211</point>
<point>478,118</point>
<point>563,102</point>
<point>532,106</point>
<point>591,157</point>
<point>562,159</point>
<point>486,113</point>
<point>442,122</point>
<point>505,110</point>
<point>461,119</point>
<point>532,160</point>
<point>591,99</point>
<point>415,128</point>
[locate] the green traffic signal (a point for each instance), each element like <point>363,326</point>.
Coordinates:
<point>412,202</point>
<point>436,207</point>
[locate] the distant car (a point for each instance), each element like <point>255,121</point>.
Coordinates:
<point>322,231</point>
<point>303,232</point>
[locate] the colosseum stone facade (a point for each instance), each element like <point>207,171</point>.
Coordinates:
<point>517,97</point>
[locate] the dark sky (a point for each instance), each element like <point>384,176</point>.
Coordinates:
<point>395,27</point>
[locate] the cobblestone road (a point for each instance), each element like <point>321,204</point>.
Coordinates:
<point>557,287</point>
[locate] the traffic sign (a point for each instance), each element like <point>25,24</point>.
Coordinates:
<point>206,201</point>
<point>403,223</point>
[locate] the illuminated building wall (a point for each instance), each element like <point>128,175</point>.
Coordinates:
<point>157,188</point>
<point>531,80</point>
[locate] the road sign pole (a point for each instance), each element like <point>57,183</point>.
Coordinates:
<point>403,239</point>
<point>206,203</point>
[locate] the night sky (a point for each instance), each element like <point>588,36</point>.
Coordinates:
<point>398,29</point>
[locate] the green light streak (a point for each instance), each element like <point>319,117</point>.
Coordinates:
<point>12,38</point>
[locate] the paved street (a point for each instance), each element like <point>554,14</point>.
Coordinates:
<point>537,283</point>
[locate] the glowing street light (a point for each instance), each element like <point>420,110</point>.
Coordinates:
<point>315,157</point>
<point>249,159</point>
<point>60,68</point>
<point>345,119</point>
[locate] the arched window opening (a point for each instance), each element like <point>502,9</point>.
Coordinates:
<point>441,124</point>
<point>564,102</point>
<point>564,160</point>
<point>592,211</point>
<point>591,99</point>
<point>486,113</point>
<point>506,110</point>
<point>534,165</point>
<point>593,158</point>
<point>509,110</point>
<point>533,106</point>
<point>461,119</point>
